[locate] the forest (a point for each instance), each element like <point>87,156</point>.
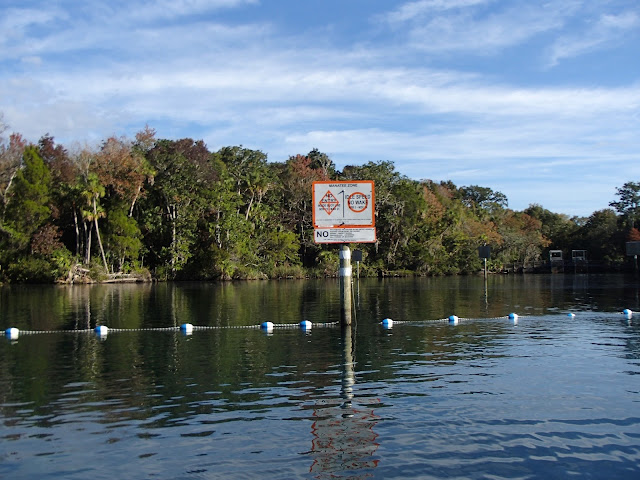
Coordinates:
<point>157,209</point>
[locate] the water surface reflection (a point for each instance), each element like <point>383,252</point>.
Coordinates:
<point>344,439</point>
<point>546,398</point>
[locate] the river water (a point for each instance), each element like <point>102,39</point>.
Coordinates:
<point>549,396</point>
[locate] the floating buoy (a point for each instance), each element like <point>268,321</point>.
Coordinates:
<point>453,320</point>
<point>571,315</point>
<point>387,323</point>
<point>513,316</point>
<point>267,326</point>
<point>12,333</point>
<point>305,325</point>
<point>102,330</point>
<point>628,313</point>
<point>186,328</point>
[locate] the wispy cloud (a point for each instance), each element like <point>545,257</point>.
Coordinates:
<point>476,26</point>
<point>416,10</point>
<point>608,30</point>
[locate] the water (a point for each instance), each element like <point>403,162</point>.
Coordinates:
<point>550,397</point>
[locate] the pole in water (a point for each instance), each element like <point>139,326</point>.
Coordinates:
<point>345,285</point>
<point>348,377</point>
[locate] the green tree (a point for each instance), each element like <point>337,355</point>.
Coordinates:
<point>296,177</point>
<point>602,237</point>
<point>10,162</point>
<point>399,208</point>
<point>321,162</point>
<point>123,238</point>
<point>30,243</point>
<point>522,239</point>
<point>27,208</point>
<point>483,199</point>
<point>92,192</point>
<point>628,204</point>
<point>177,200</point>
<point>558,228</point>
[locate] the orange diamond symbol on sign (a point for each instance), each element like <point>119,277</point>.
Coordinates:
<point>329,202</point>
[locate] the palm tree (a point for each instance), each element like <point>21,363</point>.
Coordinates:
<point>92,191</point>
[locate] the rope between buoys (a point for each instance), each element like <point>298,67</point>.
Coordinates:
<point>178,328</point>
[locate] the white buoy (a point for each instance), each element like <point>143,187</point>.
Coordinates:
<point>387,323</point>
<point>453,320</point>
<point>267,326</point>
<point>627,313</point>
<point>571,315</point>
<point>305,325</point>
<point>514,318</point>
<point>102,330</point>
<point>12,333</point>
<point>186,328</point>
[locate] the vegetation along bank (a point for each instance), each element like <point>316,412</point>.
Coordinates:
<point>148,208</point>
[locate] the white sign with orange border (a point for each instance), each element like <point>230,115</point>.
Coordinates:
<point>343,204</point>
<point>345,235</point>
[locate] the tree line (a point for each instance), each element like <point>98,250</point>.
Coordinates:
<point>173,210</point>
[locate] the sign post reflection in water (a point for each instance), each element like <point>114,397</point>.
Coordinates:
<point>484,252</point>
<point>343,438</point>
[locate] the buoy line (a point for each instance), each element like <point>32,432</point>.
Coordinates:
<point>388,323</point>
<point>453,319</point>
<point>305,325</point>
<point>103,330</point>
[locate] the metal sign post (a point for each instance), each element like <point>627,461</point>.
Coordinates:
<point>633,250</point>
<point>345,285</point>
<point>357,257</point>
<point>484,252</point>
<point>344,212</point>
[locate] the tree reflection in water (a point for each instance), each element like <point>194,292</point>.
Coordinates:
<point>343,437</point>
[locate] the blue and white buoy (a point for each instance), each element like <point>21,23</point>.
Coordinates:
<point>453,320</point>
<point>627,313</point>
<point>102,330</point>
<point>305,325</point>
<point>571,315</point>
<point>514,318</point>
<point>387,323</point>
<point>186,328</point>
<point>267,326</point>
<point>12,333</point>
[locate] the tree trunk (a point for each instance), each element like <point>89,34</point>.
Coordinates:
<point>135,198</point>
<point>75,224</point>
<point>95,220</point>
<point>87,243</point>
<point>246,217</point>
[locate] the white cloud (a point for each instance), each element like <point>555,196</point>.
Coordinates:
<point>153,10</point>
<point>608,30</point>
<point>284,92</point>
<point>412,10</point>
<point>475,25</point>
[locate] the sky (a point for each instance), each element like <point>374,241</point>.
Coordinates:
<point>538,100</point>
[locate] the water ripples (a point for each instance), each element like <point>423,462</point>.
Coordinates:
<point>545,398</point>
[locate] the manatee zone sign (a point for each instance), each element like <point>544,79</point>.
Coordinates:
<point>344,212</point>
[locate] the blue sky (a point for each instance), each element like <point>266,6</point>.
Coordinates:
<point>537,100</point>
